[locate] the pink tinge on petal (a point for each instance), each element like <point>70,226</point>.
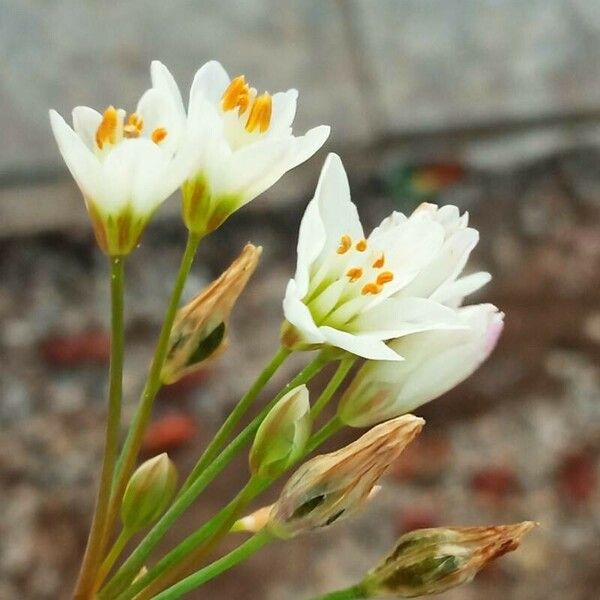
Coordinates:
<point>492,336</point>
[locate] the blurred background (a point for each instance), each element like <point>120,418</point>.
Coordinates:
<point>493,105</point>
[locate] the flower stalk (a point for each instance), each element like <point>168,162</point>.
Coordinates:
<point>93,552</point>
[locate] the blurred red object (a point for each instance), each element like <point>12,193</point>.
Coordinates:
<point>495,483</point>
<point>169,432</point>
<point>80,348</point>
<point>414,517</point>
<point>577,476</point>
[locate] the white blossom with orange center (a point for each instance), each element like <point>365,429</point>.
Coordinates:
<point>356,292</point>
<point>126,165</point>
<point>245,144</point>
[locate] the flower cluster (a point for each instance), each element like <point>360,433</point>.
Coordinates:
<point>391,301</point>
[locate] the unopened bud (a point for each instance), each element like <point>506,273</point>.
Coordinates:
<point>148,493</point>
<point>333,486</point>
<point>201,327</point>
<point>282,435</point>
<point>430,561</point>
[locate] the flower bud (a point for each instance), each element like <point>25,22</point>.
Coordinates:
<point>148,493</point>
<point>335,485</point>
<point>254,522</point>
<point>430,561</point>
<point>200,328</point>
<point>282,435</point>
<point>434,362</point>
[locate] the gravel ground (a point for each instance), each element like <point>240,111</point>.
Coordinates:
<point>520,440</point>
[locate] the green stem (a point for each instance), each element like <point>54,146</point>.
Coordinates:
<point>133,442</point>
<point>236,414</point>
<point>136,560</point>
<point>242,552</point>
<point>355,592</point>
<point>194,546</point>
<point>331,427</point>
<point>112,556</point>
<point>93,552</point>
<point>334,383</point>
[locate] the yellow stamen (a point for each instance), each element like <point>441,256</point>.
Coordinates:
<point>361,246</point>
<point>370,288</point>
<point>379,261</point>
<point>159,134</point>
<point>236,95</point>
<point>134,126</point>
<point>385,277</point>
<point>354,274</point>
<point>345,244</point>
<point>260,114</point>
<point>107,130</point>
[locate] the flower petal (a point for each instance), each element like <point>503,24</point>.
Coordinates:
<point>209,83</point>
<point>365,346</point>
<point>297,313</point>
<point>85,123</point>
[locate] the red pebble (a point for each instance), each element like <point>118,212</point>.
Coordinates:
<point>73,350</point>
<point>495,483</point>
<point>577,476</point>
<point>169,433</point>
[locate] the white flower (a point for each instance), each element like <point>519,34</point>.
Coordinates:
<point>126,166</point>
<point>434,362</point>
<point>355,293</point>
<point>245,144</point>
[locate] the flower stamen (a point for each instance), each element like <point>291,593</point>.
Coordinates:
<point>107,130</point>
<point>260,114</point>
<point>379,261</point>
<point>384,277</point>
<point>361,245</point>
<point>134,126</point>
<point>345,244</point>
<point>354,274</point>
<point>159,134</point>
<point>370,288</point>
<point>237,95</point>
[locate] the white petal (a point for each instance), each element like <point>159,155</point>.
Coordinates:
<point>454,292</point>
<point>401,316</point>
<point>311,240</point>
<point>306,145</point>
<point>85,123</point>
<point>165,82</point>
<point>209,83</point>
<point>297,314</point>
<point>81,162</point>
<point>360,345</point>
<point>283,112</point>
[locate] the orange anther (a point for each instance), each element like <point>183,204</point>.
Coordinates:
<point>354,274</point>
<point>370,288</point>
<point>384,277</point>
<point>379,261</point>
<point>345,244</point>
<point>107,130</point>
<point>361,246</point>
<point>134,126</point>
<point>260,114</point>
<point>159,134</point>
<point>235,90</point>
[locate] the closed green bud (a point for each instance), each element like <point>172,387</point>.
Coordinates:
<point>148,493</point>
<point>430,561</point>
<point>282,435</point>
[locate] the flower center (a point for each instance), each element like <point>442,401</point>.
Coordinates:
<point>355,273</point>
<point>239,95</point>
<point>111,129</point>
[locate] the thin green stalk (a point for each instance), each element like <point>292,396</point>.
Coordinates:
<point>334,383</point>
<point>112,556</point>
<point>136,560</point>
<point>236,414</point>
<point>191,551</point>
<point>133,442</point>
<point>242,552</point>
<point>355,592</point>
<point>93,552</point>
<point>194,547</point>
